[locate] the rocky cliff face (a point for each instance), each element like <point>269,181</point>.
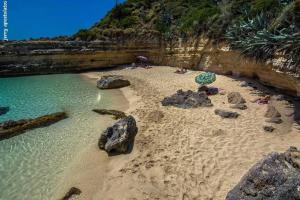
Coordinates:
<point>202,55</point>
<point>33,57</point>
<point>43,57</point>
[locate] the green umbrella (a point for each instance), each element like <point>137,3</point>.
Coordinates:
<point>205,78</point>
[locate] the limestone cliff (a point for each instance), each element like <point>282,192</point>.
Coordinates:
<point>26,58</point>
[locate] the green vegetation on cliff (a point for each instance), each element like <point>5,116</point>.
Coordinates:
<point>262,29</point>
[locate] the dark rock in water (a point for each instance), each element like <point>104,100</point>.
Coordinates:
<point>269,128</point>
<point>274,120</point>
<point>73,191</point>
<point>276,177</point>
<point>112,82</point>
<point>272,112</point>
<point>117,114</point>
<point>240,106</point>
<point>119,137</point>
<point>235,98</point>
<point>4,110</point>
<point>226,114</point>
<point>188,99</point>
<point>11,123</point>
<point>12,128</point>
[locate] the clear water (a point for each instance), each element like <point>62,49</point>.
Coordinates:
<point>33,164</point>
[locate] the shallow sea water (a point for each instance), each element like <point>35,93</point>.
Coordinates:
<point>33,164</point>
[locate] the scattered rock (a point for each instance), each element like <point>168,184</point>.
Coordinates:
<point>155,116</point>
<point>119,137</point>
<point>276,177</point>
<point>235,98</point>
<point>222,92</point>
<point>240,106</point>
<point>188,99</point>
<point>208,90</point>
<point>12,128</point>
<point>272,112</point>
<point>73,191</point>
<point>226,114</point>
<point>278,97</point>
<point>203,88</point>
<point>117,114</point>
<point>4,110</point>
<point>112,82</point>
<point>244,84</point>
<point>269,128</point>
<point>274,120</point>
<point>216,132</point>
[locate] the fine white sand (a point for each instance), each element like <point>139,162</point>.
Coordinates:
<point>187,154</point>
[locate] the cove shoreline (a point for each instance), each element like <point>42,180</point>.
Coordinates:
<point>88,168</point>
<point>186,154</point>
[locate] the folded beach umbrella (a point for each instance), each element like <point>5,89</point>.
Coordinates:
<point>205,78</point>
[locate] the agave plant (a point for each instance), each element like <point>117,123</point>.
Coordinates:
<point>254,40</point>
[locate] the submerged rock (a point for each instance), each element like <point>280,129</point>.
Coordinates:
<point>73,191</point>
<point>235,98</point>
<point>4,110</point>
<point>119,137</point>
<point>276,177</point>
<point>12,128</point>
<point>226,114</point>
<point>117,114</point>
<point>112,82</point>
<point>188,99</point>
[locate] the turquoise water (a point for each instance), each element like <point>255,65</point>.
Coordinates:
<point>33,164</point>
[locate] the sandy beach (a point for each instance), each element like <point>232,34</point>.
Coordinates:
<point>181,153</point>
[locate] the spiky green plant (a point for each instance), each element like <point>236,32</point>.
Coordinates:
<point>254,40</point>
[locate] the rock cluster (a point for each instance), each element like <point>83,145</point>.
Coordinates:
<point>112,82</point>
<point>117,114</point>
<point>12,128</point>
<point>119,138</point>
<point>187,99</point>
<point>276,177</point>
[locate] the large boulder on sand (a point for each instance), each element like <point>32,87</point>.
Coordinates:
<point>235,98</point>
<point>112,82</point>
<point>276,177</point>
<point>119,137</point>
<point>188,99</point>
